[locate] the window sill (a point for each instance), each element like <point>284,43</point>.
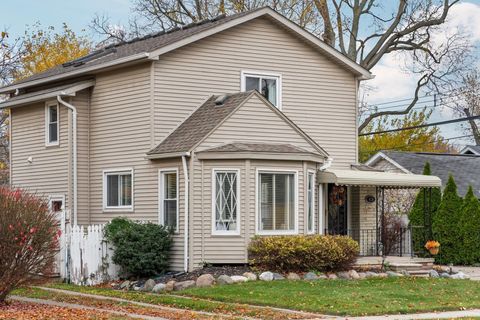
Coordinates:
<point>52,145</point>
<point>226,234</point>
<point>113,210</point>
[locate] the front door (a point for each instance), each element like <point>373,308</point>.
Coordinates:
<point>337,210</point>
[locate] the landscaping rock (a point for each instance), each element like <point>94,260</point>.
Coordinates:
<point>370,274</point>
<point>278,276</point>
<point>250,276</point>
<point>382,275</point>
<point>405,273</point>
<point>310,276</point>
<point>353,275</point>
<point>125,285</point>
<point>392,274</point>
<point>442,269</point>
<point>170,285</point>
<point>445,275</point>
<point>293,276</point>
<point>148,286</point>
<point>344,275</point>
<point>266,276</point>
<point>237,279</point>
<point>322,276</point>
<point>433,274</point>
<point>182,285</point>
<point>205,280</point>
<point>224,279</point>
<point>137,288</point>
<point>159,287</point>
<point>362,275</point>
<point>332,276</point>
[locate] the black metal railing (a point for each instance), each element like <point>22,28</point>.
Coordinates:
<point>381,241</point>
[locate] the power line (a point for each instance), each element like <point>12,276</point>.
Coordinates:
<point>421,126</point>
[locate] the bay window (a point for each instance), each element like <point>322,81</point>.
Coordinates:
<point>277,202</point>
<point>225,202</point>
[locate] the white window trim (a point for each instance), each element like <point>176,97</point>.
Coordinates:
<point>47,124</point>
<point>257,202</point>
<point>56,197</point>
<point>216,232</point>
<point>119,208</point>
<point>312,173</point>
<point>161,184</point>
<point>266,75</point>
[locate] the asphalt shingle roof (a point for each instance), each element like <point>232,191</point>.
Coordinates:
<point>464,168</point>
<point>200,123</point>
<point>474,148</point>
<point>258,147</point>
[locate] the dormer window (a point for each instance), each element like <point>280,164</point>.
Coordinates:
<point>268,84</point>
<point>52,128</point>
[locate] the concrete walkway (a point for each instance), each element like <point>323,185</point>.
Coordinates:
<point>472,272</point>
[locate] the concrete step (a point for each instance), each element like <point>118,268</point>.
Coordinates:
<point>406,266</point>
<point>420,273</point>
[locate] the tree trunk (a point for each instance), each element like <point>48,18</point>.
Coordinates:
<point>473,126</point>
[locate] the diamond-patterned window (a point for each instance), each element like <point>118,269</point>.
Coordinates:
<point>226,201</point>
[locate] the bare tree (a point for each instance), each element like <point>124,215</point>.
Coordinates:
<point>363,30</point>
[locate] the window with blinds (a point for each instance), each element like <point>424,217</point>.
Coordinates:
<point>118,192</point>
<point>276,201</point>
<point>169,199</point>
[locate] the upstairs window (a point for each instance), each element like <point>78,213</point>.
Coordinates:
<point>117,190</point>
<point>269,85</point>
<point>51,124</point>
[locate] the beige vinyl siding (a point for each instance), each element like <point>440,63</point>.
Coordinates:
<point>318,95</point>
<point>256,122</point>
<point>233,248</point>
<point>48,173</point>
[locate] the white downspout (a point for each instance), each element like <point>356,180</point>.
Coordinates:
<point>185,234</point>
<point>326,165</point>
<point>74,129</point>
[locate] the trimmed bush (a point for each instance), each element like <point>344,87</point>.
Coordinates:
<point>416,216</point>
<point>141,249</point>
<point>301,253</point>
<point>469,228</point>
<point>28,239</point>
<point>445,225</point>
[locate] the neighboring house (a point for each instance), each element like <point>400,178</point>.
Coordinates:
<point>475,150</point>
<point>465,168</point>
<point>233,127</point>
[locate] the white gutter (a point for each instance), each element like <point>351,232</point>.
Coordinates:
<point>326,165</point>
<point>187,187</point>
<point>75,184</point>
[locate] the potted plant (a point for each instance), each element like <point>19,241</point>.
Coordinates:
<point>433,247</point>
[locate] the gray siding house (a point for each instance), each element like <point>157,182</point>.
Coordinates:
<point>225,129</point>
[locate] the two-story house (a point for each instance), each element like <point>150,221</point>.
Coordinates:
<point>225,129</point>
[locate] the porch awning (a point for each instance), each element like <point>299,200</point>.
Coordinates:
<point>379,179</point>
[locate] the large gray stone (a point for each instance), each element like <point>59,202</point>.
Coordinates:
<point>370,274</point>
<point>293,276</point>
<point>445,275</point>
<point>125,285</point>
<point>433,274</point>
<point>332,276</point>
<point>266,276</point>
<point>148,286</point>
<point>459,275</point>
<point>392,274</point>
<point>237,279</point>
<point>362,275</point>
<point>205,280</point>
<point>250,276</point>
<point>310,276</point>
<point>278,276</point>
<point>405,273</point>
<point>322,276</point>
<point>224,279</point>
<point>159,287</point>
<point>182,285</point>
<point>344,275</point>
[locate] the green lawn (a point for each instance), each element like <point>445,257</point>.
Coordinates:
<point>365,297</point>
<point>337,297</point>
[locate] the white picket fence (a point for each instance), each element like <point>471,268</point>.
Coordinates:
<point>85,257</point>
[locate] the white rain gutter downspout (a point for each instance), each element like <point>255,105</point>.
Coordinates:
<point>74,137</point>
<point>186,236</point>
<point>327,164</point>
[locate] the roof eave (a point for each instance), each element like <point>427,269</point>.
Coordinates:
<point>260,156</point>
<point>167,155</point>
<point>129,59</point>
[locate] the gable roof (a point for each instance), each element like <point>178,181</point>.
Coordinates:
<point>471,150</point>
<point>152,46</point>
<point>209,116</point>
<point>464,168</point>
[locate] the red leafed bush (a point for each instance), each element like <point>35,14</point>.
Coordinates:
<point>29,237</point>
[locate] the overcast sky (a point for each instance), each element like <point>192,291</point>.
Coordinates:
<point>390,81</point>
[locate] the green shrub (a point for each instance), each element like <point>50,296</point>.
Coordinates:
<point>469,229</point>
<point>417,215</point>
<point>303,253</point>
<point>446,225</point>
<point>141,249</point>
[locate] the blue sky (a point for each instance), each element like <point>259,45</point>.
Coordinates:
<point>391,83</point>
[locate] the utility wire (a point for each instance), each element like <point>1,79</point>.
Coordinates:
<point>421,126</point>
